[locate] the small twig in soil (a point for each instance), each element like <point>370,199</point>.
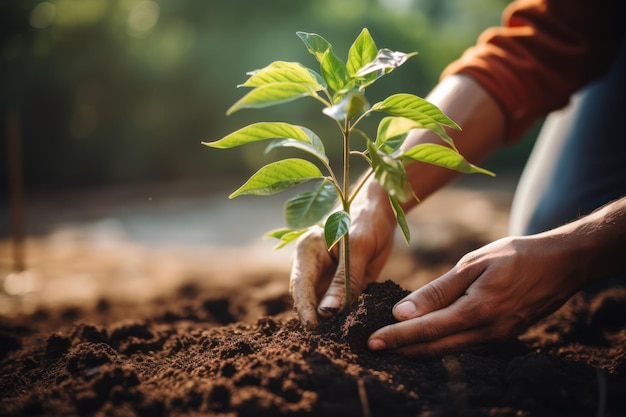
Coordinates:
<point>365,405</point>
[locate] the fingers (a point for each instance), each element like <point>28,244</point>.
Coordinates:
<point>335,297</point>
<point>437,294</point>
<point>438,332</point>
<point>422,329</point>
<point>365,266</point>
<point>472,340</point>
<point>310,265</point>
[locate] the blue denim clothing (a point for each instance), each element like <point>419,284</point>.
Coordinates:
<point>579,160</point>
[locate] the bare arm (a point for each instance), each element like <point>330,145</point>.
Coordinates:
<point>480,117</point>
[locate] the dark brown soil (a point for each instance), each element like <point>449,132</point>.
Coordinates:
<point>196,352</point>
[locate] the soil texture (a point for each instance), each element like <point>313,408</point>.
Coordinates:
<point>196,352</point>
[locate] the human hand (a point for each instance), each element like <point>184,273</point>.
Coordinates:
<point>317,282</point>
<point>491,295</point>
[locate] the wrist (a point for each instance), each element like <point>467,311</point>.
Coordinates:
<point>592,245</point>
<point>372,203</point>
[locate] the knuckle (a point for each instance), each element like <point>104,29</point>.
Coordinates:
<point>296,281</point>
<point>477,313</point>
<point>357,282</point>
<point>468,266</point>
<point>339,280</point>
<point>393,340</point>
<point>435,294</point>
<point>310,241</point>
<point>482,312</point>
<point>416,334</point>
<point>425,333</point>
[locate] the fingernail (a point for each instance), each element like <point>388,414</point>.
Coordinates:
<point>330,304</point>
<point>376,344</point>
<point>404,310</point>
<point>309,324</point>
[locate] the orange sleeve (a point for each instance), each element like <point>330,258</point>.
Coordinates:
<point>545,51</point>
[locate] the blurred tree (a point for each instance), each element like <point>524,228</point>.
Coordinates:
<point>118,91</point>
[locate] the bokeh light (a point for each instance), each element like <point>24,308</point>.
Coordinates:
<point>143,17</point>
<point>42,15</point>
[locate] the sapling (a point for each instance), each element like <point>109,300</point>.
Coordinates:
<point>340,88</point>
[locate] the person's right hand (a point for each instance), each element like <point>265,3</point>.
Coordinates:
<point>496,292</point>
<point>317,282</point>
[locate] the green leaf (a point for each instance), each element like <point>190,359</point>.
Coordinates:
<point>421,111</point>
<point>334,71</point>
<point>309,208</point>
<point>272,94</point>
<point>278,176</point>
<point>284,72</point>
<point>315,44</point>
<point>390,174</point>
<point>352,104</point>
<point>336,227</point>
<point>315,148</point>
<point>409,102</point>
<point>444,157</point>
<point>362,52</point>
<point>285,236</point>
<point>262,131</point>
<point>392,131</point>
<point>278,233</point>
<point>398,211</point>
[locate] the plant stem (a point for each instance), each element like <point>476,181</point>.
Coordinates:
<point>345,240</point>
<point>345,254</point>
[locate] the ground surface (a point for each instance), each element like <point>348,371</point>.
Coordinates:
<point>110,325</point>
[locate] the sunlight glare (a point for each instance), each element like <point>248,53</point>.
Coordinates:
<point>43,15</point>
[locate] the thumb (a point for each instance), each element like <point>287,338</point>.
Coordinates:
<point>312,265</point>
<point>435,295</point>
<point>334,299</point>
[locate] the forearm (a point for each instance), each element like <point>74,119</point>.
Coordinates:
<point>592,246</point>
<point>482,121</point>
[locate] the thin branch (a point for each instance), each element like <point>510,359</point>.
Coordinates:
<point>361,117</point>
<point>360,185</point>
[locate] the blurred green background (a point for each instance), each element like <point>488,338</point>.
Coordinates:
<point>123,91</point>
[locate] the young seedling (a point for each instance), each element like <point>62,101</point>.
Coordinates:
<point>340,87</point>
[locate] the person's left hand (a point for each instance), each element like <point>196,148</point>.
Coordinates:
<point>491,295</point>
